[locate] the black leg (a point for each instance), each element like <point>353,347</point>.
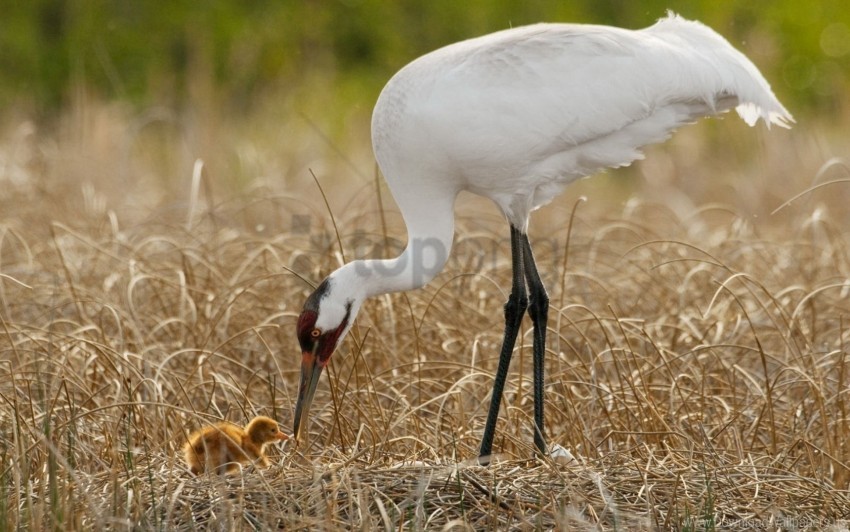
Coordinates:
<point>538,310</point>
<point>514,311</point>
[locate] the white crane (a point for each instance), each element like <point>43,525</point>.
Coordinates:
<point>515,116</point>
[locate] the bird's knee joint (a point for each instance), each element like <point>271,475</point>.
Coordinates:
<point>516,305</point>
<point>539,305</point>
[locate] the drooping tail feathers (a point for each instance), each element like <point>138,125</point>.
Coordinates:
<point>727,72</point>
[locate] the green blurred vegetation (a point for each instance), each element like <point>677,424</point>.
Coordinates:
<point>236,53</point>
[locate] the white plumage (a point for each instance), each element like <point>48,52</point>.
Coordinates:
<point>515,116</point>
<point>518,114</point>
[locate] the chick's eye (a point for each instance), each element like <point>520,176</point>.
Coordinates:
<point>315,333</point>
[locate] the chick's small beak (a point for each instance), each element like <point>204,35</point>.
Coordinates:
<point>311,369</point>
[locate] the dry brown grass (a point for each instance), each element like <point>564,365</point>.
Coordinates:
<point>697,362</point>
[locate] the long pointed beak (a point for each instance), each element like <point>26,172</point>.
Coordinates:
<point>310,372</point>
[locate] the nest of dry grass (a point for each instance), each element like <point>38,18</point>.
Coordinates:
<point>621,491</point>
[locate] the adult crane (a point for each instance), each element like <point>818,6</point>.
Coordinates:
<point>515,116</point>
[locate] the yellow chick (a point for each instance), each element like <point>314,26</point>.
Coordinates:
<point>221,447</point>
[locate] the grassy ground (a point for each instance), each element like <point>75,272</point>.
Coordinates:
<point>697,363</point>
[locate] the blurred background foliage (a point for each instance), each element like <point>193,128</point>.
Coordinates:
<point>236,53</point>
<point>125,95</point>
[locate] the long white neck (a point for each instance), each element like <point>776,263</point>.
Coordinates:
<point>421,261</point>
<point>427,206</point>
<point>350,285</point>
<point>430,231</point>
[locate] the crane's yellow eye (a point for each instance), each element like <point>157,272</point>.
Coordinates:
<point>315,333</point>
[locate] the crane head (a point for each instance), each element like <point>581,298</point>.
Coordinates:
<point>323,322</point>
